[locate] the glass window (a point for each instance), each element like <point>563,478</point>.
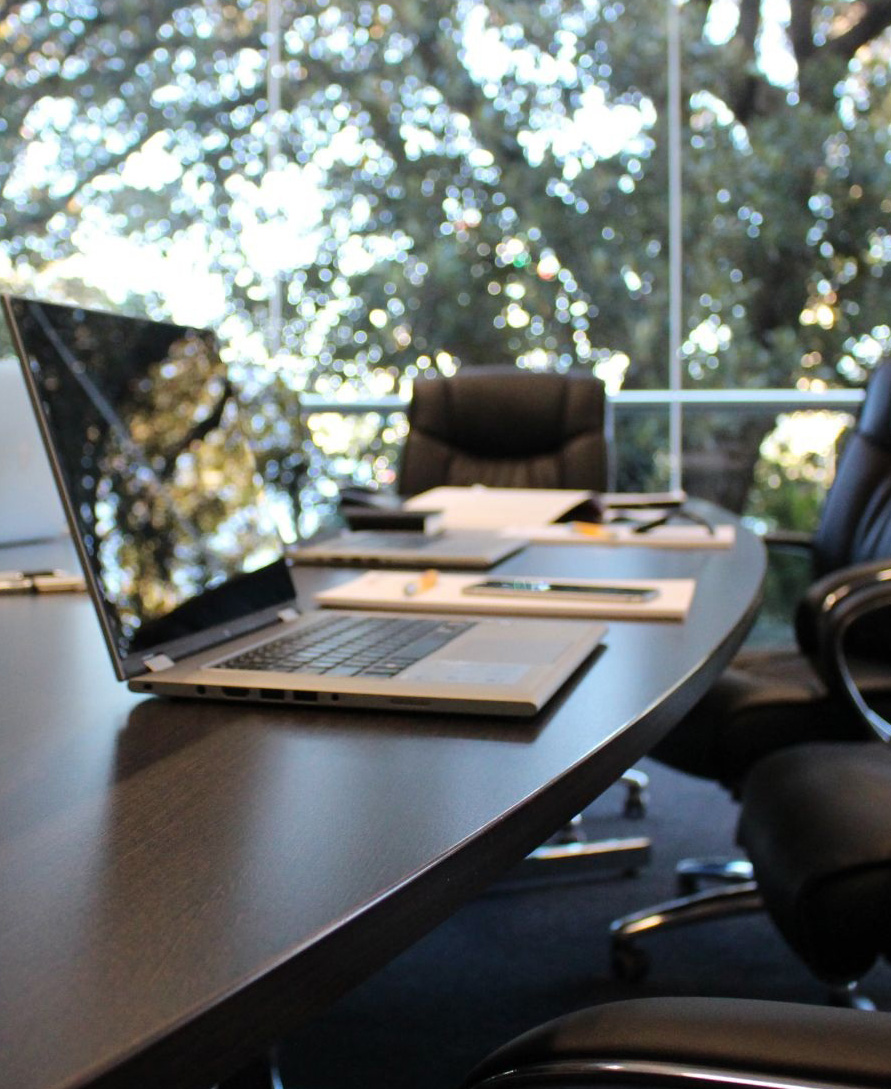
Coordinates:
<point>675,196</point>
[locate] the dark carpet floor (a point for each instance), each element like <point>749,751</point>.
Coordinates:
<point>519,956</point>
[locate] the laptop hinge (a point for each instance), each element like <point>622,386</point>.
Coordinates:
<point>157,663</point>
<point>287,615</point>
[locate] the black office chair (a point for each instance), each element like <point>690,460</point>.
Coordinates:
<point>816,825</point>
<point>697,1042</point>
<point>507,428</point>
<point>816,818</point>
<point>779,697</point>
<point>771,698</point>
<point>503,427</point>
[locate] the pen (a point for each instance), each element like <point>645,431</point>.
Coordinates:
<point>425,581</point>
<point>688,515</point>
<point>43,581</point>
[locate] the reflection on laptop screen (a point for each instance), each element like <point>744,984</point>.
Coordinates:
<point>161,483</point>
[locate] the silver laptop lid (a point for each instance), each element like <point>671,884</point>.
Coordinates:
<point>178,542</point>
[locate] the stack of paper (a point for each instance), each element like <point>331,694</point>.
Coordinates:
<point>639,500</point>
<point>664,599</point>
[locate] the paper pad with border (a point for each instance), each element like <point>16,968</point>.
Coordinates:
<point>626,536</point>
<point>388,590</point>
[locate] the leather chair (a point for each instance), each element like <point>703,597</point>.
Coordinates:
<point>697,1042</point>
<point>503,427</point>
<point>772,698</point>
<point>507,428</point>
<point>781,697</point>
<point>816,819</point>
<point>816,824</point>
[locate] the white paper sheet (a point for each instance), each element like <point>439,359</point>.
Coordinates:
<point>478,507</point>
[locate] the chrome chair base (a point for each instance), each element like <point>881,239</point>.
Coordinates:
<point>850,997</point>
<point>626,853</point>
<point>692,873</point>
<point>630,962</point>
<point>636,783</point>
<point>732,890</point>
<point>570,854</point>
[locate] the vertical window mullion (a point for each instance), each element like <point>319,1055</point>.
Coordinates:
<point>675,243</point>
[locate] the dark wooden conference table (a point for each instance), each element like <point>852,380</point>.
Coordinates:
<point>182,882</point>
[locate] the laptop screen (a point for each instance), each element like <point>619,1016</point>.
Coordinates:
<point>161,485</point>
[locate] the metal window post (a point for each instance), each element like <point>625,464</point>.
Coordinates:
<point>675,243</point>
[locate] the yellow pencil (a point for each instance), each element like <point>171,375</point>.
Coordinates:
<point>592,529</point>
<point>425,581</point>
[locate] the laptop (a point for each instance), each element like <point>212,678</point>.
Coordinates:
<point>468,550</point>
<point>29,501</point>
<point>184,560</point>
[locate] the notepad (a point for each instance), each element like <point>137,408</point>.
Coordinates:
<point>667,536</point>
<point>397,591</point>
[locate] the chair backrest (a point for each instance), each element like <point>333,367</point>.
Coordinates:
<point>855,524</point>
<point>506,428</point>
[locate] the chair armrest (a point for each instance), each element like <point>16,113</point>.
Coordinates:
<point>696,1042</point>
<point>824,622</point>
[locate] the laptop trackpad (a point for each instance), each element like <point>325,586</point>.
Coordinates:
<point>484,660</point>
<point>456,671</point>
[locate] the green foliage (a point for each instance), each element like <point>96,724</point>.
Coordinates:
<point>387,190</point>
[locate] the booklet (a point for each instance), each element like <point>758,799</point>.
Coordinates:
<point>514,595</point>
<point>481,507</point>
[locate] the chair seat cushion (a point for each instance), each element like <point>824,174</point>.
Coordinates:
<point>816,824</point>
<point>738,1035</point>
<point>766,700</point>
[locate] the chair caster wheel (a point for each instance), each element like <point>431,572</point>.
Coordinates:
<point>688,884</point>
<point>848,996</point>
<point>629,962</point>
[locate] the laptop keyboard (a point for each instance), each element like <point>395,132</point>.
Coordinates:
<point>352,646</point>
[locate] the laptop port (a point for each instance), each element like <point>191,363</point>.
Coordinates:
<point>271,694</point>
<point>238,693</point>
<point>305,697</point>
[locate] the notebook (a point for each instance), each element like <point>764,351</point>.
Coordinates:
<point>512,595</point>
<point>29,503</point>
<point>182,554</point>
<point>407,548</point>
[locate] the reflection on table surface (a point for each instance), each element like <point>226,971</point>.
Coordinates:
<point>181,881</point>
